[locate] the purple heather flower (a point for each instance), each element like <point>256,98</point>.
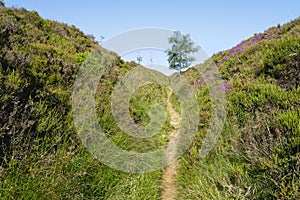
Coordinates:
<point>254,40</point>
<point>225,86</point>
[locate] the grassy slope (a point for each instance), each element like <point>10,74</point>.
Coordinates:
<point>41,155</point>
<point>257,155</point>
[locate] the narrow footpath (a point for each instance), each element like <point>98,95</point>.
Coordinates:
<point>169,184</point>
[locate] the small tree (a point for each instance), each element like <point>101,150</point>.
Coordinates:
<point>179,54</point>
<point>101,39</point>
<point>139,58</point>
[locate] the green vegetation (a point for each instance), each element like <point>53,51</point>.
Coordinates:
<point>258,153</point>
<point>41,157</point>
<point>179,55</point>
<point>139,106</point>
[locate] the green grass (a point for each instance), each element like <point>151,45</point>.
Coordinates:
<point>74,175</point>
<point>257,155</point>
<point>41,155</point>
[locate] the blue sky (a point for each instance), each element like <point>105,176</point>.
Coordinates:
<point>215,25</point>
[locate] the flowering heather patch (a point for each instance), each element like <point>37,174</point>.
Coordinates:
<point>241,46</point>
<point>225,86</point>
<point>254,40</point>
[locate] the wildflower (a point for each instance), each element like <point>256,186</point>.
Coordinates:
<point>225,86</point>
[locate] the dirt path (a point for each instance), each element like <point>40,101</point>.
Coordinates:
<point>169,174</point>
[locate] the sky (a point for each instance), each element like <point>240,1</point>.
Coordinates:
<point>215,25</point>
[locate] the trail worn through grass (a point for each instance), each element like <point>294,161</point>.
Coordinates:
<point>169,184</point>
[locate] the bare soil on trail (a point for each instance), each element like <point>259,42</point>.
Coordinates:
<point>169,185</point>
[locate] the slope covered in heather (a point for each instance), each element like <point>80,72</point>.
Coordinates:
<point>41,155</point>
<point>38,62</point>
<point>258,155</point>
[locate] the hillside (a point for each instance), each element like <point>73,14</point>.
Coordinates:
<point>38,61</point>
<point>41,156</point>
<point>258,155</point>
